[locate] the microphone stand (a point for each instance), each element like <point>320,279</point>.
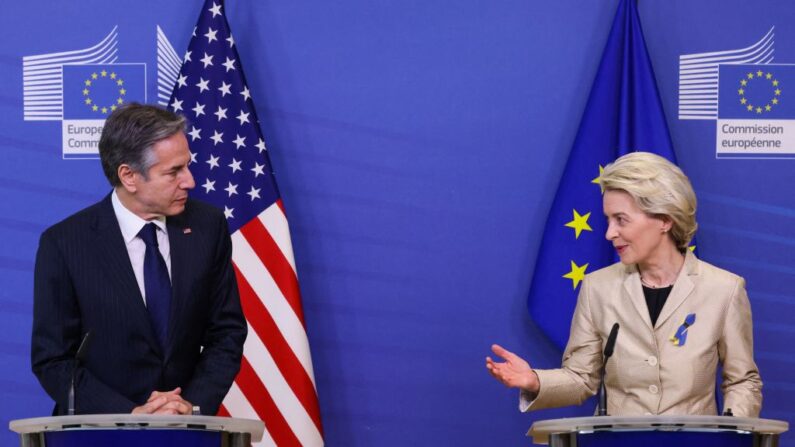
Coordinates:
<point>611,343</point>
<point>81,352</point>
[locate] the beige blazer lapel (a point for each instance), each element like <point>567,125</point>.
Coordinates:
<point>634,291</point>
<point>683,287</point>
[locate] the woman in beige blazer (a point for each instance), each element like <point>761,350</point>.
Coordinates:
<point>679,316</point>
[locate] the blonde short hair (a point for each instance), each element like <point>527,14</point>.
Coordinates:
<point>659,188</point>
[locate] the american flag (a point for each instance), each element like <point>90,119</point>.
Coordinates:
<point>230,164</point>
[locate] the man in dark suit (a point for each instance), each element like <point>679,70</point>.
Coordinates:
<point>148,273</point>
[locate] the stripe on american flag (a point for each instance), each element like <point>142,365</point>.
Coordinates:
<point>277,264</point>
<point>289,406</point>
<point>238,401</point>
<point>276,222</point>
<point>262,325</point>
<point>264,405</point>
<point>264,285</point>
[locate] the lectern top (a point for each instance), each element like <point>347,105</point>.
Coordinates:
<point>120,421</point>
<point>541,430</point>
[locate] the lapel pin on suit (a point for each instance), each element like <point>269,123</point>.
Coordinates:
<point>186,231</point>
<point>680,337</point>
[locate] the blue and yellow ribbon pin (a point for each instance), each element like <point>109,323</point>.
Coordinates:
<point>680,337</point>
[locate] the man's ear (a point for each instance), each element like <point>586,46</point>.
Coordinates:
<point>127,177</point>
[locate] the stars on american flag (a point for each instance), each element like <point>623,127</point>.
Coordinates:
<point>220,113</point>
<point>243,117</point>
<point>231,189</point>
<point>213,161</point>
<point>207,60</point>
<point>198,109</point>
<point>239,141</point>
<point>217,137</point>
<point>229,158</point>
<point>202,84</point>
<point>216,9</point>
<point>254,193</point>
<point>210,35</point>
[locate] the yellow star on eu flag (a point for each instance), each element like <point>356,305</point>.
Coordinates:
<point>579,223</point>
<point>598,180</point>
<point>576,274</point>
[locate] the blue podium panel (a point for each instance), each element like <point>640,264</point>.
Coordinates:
<point>664,439</point>
<point>133,438</point>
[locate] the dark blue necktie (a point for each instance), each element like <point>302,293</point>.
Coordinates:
<point>157,285</point>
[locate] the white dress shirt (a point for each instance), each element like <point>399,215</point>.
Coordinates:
<point>131,225</point>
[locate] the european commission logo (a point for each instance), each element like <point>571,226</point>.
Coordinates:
<point>750,98</point>
<point>90,93</point>
<point>81,88</point>
<point>756,111</point>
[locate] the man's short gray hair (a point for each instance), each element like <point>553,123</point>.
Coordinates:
<point>129,134</point>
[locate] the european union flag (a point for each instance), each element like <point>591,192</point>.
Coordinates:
<point>623,114</point>
<point>751,91</point>
<point>93,91</point>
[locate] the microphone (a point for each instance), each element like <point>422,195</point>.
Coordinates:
<point>609,347</point>
<point>79,356</point>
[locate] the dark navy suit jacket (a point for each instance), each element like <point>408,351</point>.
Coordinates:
<point>84,282</point>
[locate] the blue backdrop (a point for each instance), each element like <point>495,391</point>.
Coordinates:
<point>417,145</point>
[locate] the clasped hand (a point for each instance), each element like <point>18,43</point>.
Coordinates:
<point>165,402</point>
<point>514,372</point>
